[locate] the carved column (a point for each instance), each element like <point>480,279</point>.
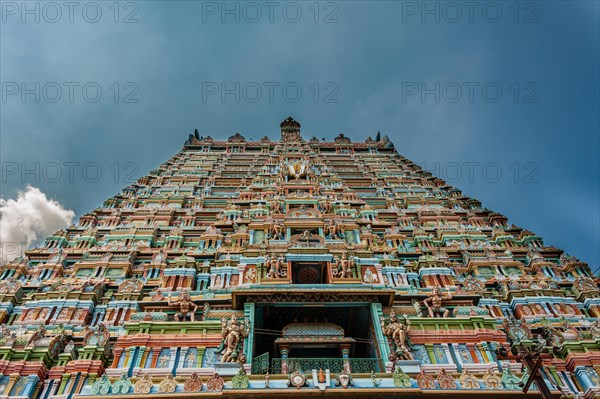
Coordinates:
<point>118,352</point>
<point>378,270</point>
<point>284,351</point>
<point>345,351</point>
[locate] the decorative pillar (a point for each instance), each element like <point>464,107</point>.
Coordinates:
<point>447,353</point>
<point>241,272</point>
<point>547,308</point>
<point>173,355</point>
<point>473,352</point>
<point>561,380</point>
<point>182,355</point>
<point>13,378</point>
<point>123,315</point>
<point>54,387</point>
<point>117,356</point>
<point>382,341</point>
<point>199,355</point>
<point>140,356</point>
<point>484,349</point>
<point>128,352</point>
<point>284,352</point>
<point>98,317</point>
<point>378,270</point>
<point>155,354</point>
<point>63,383</point>
<point>46,388</point>
<point>390,279</point>
<point>429,348</point>
<point>345,351</point>
<point>457,356</point>
<point>249,312</point>
<point>82,378</point>
<point>572,384</point>
<point>57,312</point>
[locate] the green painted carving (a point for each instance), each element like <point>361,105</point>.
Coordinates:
<point>154,316</point>
<point>401,379</point>
<point>260,364</point>
<point>240,381</point>
<point>357,365</point>
<point>525,378</point>
<point>374,380</point>
<point>122,385</point>
<point>101,386</point>
<point>510,380</point>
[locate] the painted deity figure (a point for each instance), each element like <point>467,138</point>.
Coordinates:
<point>268,261</point>
<point>333,230</point>
<point>187,308</point>
<point>435,301</point>
<point>370,277</point>
<point>233,332</point>
<point>189,360</point>
<point>466,356</point>
<point>326,207</point>
<point>276,207</point>
<point>345,267</point>
<point>595,329</point>
<point>398,332</point>
<point>37,334</point>
<point>298,169</point>
<point>163,361</point>
<point>275,268</point>
<point>277,231</point>
<point>42,315</point>
<point>527,310</point>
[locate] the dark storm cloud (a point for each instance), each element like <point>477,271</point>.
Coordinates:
<point>466,93</point>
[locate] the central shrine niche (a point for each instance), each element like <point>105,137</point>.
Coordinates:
<point>309,273</point>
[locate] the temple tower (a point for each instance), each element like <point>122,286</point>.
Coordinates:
<point>290,130</point>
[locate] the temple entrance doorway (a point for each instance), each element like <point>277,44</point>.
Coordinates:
<point>290,337</point>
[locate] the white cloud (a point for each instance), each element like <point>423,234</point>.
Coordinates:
<point>27,219</point>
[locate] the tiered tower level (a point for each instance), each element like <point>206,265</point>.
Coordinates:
<point>267,268</point>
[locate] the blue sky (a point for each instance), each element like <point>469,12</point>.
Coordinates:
<point>508,91</point>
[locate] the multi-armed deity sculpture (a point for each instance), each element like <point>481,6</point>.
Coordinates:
<point>344,268</point>
<point>398,331</point>
<point>234,331</point>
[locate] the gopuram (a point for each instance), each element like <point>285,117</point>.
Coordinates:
<point>296,268</point>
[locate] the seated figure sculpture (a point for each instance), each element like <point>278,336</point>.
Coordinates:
<point>435,301</point>
<point>187,308</point>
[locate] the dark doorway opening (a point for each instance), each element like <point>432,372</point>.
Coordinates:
<point>315,336</point>
<point>309,273</point>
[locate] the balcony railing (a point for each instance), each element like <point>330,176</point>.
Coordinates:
<point>336,365</point>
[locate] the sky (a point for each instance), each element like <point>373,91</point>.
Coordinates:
<point>499,98</point>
